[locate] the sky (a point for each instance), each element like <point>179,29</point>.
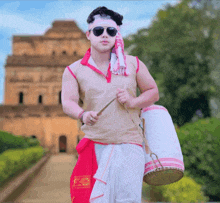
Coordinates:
<point>36,17</point>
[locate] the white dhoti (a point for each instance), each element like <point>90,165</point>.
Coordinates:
<point>120,172</point>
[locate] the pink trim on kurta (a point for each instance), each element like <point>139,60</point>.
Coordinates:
<point>71,72</point>
<point>97,197</point>
<point>85,62</point>
<point>86,57</point>
<point>116,143</point>
<point>153,107</point>
<point>95,69</point>
<point>101,180</point>
<point>137,64</point>
<point>109,74</point>
<point>108,161</point>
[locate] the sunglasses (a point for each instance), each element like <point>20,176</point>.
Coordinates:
<point>97,31</point>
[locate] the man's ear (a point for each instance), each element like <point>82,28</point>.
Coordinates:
<point>87,35</point>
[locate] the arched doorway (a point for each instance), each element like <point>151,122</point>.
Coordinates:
<point>62,143</point>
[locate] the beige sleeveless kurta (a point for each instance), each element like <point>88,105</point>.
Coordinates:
<point>96,90</point>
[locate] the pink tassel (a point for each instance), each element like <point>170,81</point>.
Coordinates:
<point>119,44</point>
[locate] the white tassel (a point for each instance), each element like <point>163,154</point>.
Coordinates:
<point>121,58</point>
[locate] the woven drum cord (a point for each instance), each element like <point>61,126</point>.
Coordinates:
<point>142,133</point>
<point>147,148</point>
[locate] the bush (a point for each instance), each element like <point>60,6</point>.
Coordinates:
<point>145,191</point>
<point>3,165</point>
<point>12,161</point>
<point>10,141</point>
<point>200,143</point>
<point>185,190</point>
<point>32,142</point>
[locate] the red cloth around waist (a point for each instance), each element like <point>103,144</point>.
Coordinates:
<point>81,180</point>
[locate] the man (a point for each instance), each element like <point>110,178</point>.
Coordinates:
<point>111,160</point>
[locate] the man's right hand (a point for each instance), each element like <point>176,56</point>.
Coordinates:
<point>90,117</point>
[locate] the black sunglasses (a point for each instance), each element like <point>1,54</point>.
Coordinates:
<point>97,31</point>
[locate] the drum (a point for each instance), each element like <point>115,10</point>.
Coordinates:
<point>164,164</point>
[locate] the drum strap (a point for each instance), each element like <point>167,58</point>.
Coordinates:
<point>142,132</point>
<point>147,148</point>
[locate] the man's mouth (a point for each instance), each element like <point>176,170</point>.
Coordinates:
<point>105,42</point>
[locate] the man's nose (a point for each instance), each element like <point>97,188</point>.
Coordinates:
<point>105,33</point>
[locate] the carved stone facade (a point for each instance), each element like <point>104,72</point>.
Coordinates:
<point>33,82</point>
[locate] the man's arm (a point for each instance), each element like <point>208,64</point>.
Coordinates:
<point>148,88</point>
<point>70,95</point>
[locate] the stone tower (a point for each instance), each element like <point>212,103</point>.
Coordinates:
<point>33,82</point>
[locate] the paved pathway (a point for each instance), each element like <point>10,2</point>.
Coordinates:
<point>51,185</point>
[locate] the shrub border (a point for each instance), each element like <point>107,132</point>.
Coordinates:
<point>14,184</point>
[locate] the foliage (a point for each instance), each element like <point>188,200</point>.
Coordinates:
<point>145,191</point>
<point>12,161</point>
<point>200,143</point>
<point>179,44</point>
<point>31,141</point>
<point>10,141</point>
<point>185,190</point>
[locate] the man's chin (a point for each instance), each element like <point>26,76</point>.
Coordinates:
<point>105,49</point>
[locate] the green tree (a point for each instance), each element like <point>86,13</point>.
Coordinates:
<point>211,8</point>
<point>179,44</point>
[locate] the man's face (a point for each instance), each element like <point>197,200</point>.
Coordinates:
<point>99,42</point>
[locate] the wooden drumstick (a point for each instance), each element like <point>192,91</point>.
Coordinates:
<point>105,107</point>
<point>147,149</point>
<point>110,103</point>
<point>143,125</point>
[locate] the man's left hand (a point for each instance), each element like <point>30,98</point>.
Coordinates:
<point>125,98</point>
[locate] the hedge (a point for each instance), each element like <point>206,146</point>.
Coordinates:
<point>200,143</point>
<point>10,141</point>
<point>185,190</point>
<point>12,161</point>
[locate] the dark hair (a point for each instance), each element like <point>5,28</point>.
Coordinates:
<point>103,11</point>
